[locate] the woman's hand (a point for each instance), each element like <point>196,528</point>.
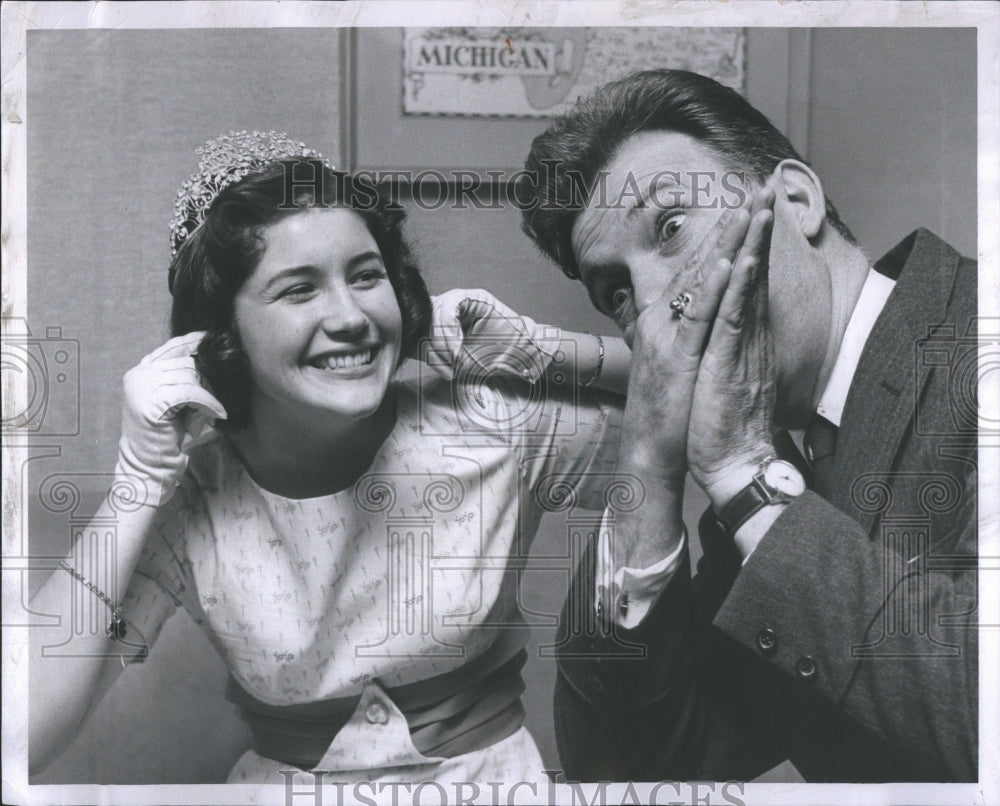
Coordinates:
<point>166,406</point>
<point>472,328</point>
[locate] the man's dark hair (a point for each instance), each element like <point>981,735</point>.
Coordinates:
<point>219,256</point>
<point>566,158</point>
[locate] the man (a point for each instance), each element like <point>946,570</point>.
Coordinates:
<point>833,626</point>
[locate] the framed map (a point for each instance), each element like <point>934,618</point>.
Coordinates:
<point>472,98</point>
<point>540,72</point>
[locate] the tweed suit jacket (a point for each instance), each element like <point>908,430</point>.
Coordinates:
<point>847,643</point>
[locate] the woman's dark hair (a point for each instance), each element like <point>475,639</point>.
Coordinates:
<point>567,156</point>
<point>218,257</point>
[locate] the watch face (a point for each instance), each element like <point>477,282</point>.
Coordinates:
<point>784,477</point>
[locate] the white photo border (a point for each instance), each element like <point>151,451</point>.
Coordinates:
<point>18,18</point>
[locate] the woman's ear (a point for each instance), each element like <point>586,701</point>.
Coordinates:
<point>800,188</point>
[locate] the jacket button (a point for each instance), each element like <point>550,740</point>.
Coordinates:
<point>767,641</point>
<point>806,667</point>
<point>596,683</point>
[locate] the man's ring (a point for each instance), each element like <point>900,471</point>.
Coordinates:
<point>679,303</point>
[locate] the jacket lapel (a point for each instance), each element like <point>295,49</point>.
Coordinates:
<point>881,401</point>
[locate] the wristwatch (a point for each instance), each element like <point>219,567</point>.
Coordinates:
<point>777,482</point>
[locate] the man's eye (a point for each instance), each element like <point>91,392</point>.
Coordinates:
<point>669,225</point>
<point>620,297</point>
<point>616,301</point>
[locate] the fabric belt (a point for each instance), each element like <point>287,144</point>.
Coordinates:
<point>468,708</point>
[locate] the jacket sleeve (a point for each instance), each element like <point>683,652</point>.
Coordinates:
<point>737,669</point>
<point>878,628</point>
<point>657,702</point>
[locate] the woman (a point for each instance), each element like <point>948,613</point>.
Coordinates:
<point>345,539</point>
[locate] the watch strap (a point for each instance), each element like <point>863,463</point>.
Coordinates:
<point>744,505</point>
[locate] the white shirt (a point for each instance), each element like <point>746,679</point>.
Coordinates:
<point>642,586</point>
<point>874,294</point>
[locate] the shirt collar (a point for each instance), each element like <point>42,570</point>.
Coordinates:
<point>870,303</point>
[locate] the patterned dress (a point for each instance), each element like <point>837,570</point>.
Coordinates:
<point>410,575</point>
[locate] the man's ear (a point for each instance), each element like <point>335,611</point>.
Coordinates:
<point>803,192</point>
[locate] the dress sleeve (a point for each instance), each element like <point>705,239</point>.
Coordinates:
<point>161,582</point>
<point>571,448</point>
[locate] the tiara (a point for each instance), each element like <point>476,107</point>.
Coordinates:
<point>225,160</point>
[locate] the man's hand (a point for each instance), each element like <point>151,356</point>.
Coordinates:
<point>734,396</point>
<point>666,356</point>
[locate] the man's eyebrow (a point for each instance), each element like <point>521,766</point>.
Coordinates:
<point>640,204</point>
<point>646,195</point>
<point>588,272</point>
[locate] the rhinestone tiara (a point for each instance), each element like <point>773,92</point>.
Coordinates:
<point>225,160</point>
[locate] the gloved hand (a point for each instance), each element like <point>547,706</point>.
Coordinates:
<point>472,327</point>
<point>166,407</point>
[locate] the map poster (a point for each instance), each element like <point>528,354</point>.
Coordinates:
<point>540,72</point>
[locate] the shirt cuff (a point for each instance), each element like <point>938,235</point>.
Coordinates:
<point>629,593</point>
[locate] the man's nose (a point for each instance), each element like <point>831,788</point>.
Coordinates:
<point>649,280</point>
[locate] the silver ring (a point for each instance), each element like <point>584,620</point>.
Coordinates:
<point>679,303</point>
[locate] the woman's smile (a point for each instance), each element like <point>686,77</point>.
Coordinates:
<point>319,321</point>
<point>351,360</point>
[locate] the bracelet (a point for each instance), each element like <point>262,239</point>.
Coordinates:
<point>116,629</point>
<point>600,363</point>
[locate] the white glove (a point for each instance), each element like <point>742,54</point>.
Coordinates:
<point>471,326</point>
<point>166,408</point>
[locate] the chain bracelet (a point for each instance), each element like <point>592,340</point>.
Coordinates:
<point>116,629</point>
